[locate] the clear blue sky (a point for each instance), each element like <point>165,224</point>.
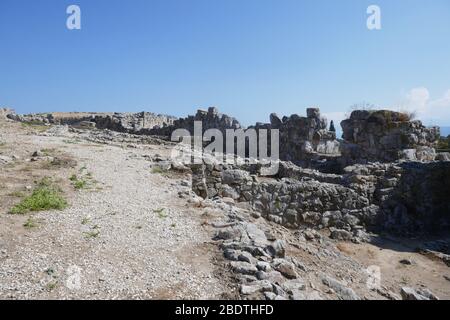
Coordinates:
<point>247,57</point>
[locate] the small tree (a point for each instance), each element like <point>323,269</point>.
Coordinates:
<point>332,128</point>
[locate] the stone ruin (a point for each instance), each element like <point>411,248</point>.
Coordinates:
<point>407,198</point>
<point>386,136</point>
<point>134,123</point>
<point>210,119</point>
<point>137,123</point>
<point>374,185</point>
<point>383,174</point>
<point>368,136</point>
<point>304,140</point>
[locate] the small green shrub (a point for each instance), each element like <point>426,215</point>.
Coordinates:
<point>44,197</point>
<point>85,220</point>
<point>36,125</point>
<point>161,213</point>
<point>85,182</point>
<point>444,144</point>
<point>92,234</point>
<point>78,183</point>
<point>30,223</point>
<point>51,286</point>
<point>158,169</point>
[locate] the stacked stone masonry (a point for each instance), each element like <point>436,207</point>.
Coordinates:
<point>404,197</point>
<point>386,136</point>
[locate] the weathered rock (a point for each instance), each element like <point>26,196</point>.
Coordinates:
<point>5,160</point>
<point>421,294</point>
<point>277,249</point>
<point>255,287</point>
<point>229,233</point>
<point>243,267</point>
<point>341,290</point>
<point>256,235</point>
<point>286,268</point>
<point>338,234</point>
<point>231,254</point>
<point>235,177</point>
<point>247,257</point>
<point>273,296</point>
<point>5,112</point>
<point>263,266</point>
<point>293,286</point>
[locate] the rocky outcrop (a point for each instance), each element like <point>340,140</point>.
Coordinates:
<point>53,118</point>
<point>386,136</point>
<point>4,112</point>
<point>134,123</point>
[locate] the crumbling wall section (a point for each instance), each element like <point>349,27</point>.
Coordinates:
<point>303,140</point>
<point>407,198</point>
<point>386,136</point>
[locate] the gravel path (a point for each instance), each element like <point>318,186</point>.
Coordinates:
<point>114,241</point>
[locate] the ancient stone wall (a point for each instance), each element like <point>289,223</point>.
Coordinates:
<point>420,198</point>
<point>210,119</point>
<point>386,136</point>
<point>58,118</point>
<point>369,136</point>
<point>288,201</point>
<point>405,197</point>
<point>138,123</point>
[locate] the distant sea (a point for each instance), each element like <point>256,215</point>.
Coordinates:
<point>445,131</point>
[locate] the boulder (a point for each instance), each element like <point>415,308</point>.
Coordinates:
<point>286,268</point>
